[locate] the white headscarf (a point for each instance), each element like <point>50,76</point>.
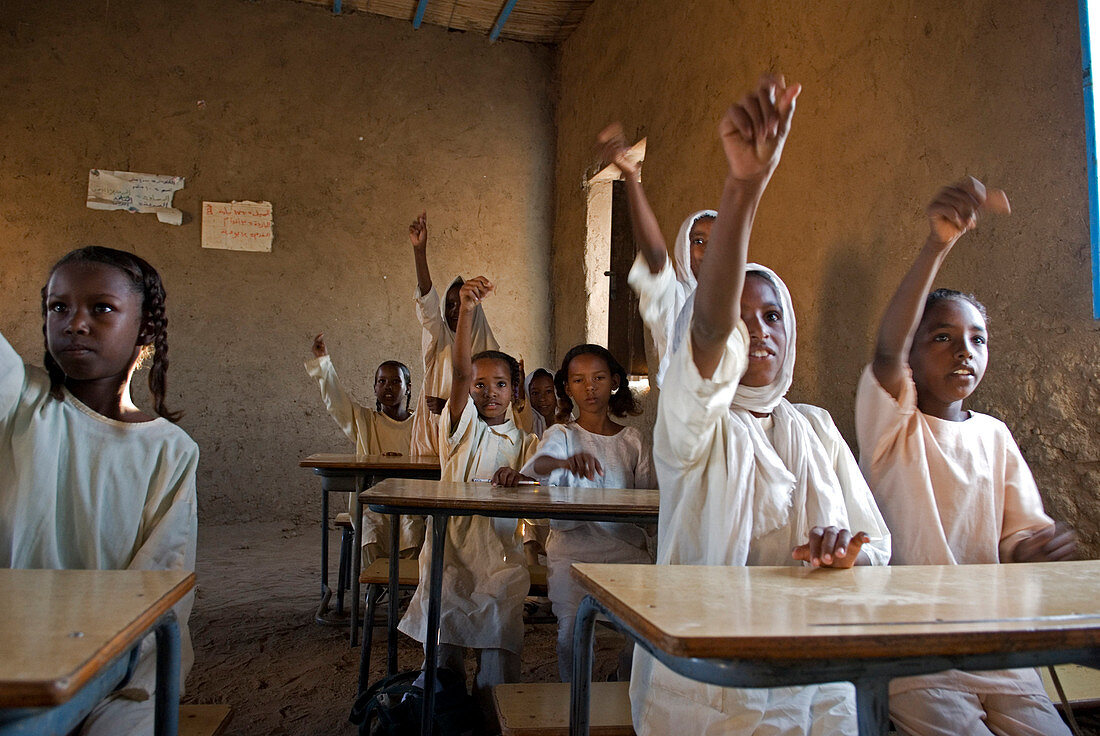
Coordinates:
<point>793,460</point>
<point>538,421</point>
<point>682,249</point>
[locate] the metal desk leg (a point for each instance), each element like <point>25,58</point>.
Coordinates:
<point>391,617</point>
<point>581,687</point>
<point>357,558</point>
<point>326,592</point>
<point>435,603</point>
<point>872,706</point>
<point>167,702</point>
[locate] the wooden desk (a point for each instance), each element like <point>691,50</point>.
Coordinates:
<point>773,626</point>
<point>69,637</point>
<point>352,474</point>
<point>441,500</point>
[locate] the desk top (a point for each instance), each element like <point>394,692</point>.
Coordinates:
<point>793,613</point>
<point>536,502</point>
<point>59,627</point>
<point>336,461</point>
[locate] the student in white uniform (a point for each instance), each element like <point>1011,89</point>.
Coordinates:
<point>592,452</point>
<point>484,575</point>
<point>438,321</point>
<point>662,287</point>
<point>384,430</point>
<point>87,479</point>
<point>744,477</point>
<point>951,482</point>
<point>537,407</point>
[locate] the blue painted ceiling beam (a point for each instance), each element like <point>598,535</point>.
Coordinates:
<point>504,13</point>
<point>421,6</point>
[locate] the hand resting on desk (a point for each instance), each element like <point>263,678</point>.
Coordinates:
<point>832,547</point>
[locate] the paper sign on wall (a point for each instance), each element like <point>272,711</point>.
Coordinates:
<point>237,225</point>
<point>125,190</point>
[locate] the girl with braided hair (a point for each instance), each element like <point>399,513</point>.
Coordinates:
<point>87,479</point>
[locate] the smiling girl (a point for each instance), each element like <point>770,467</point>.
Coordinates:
<point>951,482</point>
<point>485,578</point>
<point>87,479</point>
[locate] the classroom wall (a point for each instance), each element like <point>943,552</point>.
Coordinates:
<point>899,98</point>
<point>349,126</point>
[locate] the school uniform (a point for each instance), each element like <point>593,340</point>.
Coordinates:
<point>954,493</point>
<point>484,576</point>
<point>742,490</point>
<point>79,490</point>
<point>627,463</point>
<point>436,343</point>
<point>374,433</point>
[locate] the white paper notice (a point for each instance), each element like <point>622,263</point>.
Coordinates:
<point>237,225</point>
<point>125,190</point>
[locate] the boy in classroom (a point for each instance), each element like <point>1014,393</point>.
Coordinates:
<point>87,479</point>
<point>439,322</point>
<point>594,451</point>
<point>951,482</point>
<point>383,430</point>
<point>744,475</point>
<point>485,578</point>
<point>662,288</point>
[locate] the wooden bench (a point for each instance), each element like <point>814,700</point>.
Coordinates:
<point>203,720</point>
<point>1081,685</point>
<point>542,709</point>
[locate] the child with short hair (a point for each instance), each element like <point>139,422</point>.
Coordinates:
<point>484,576</point>
<point>592,452</point>
<point>383,430</point>
<point>745,476</point>
<point>439,321</point>
<point>87,479</point>
<point>663,288</point>
<point>951,482</point>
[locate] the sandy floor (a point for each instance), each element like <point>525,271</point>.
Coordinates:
<point>258,649</point>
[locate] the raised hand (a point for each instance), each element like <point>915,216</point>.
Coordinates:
<point>831,547</point>
<point>1055,543</point>
<point>318,346</point>
<point>754,129</point>
<point>612,147</point>
<point>474,290</point>
<point>418,231</point>
<point>955,209</point>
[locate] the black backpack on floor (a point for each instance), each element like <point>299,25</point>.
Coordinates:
<point>392,707</point>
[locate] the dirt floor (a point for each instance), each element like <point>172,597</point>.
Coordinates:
<point>258,649</point>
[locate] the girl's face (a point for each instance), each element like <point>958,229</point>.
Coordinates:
<point>763,315</point>
<point>949,354</point>
<point>542,395</point>
<point>451,306</point>
<point>698,237</point>
<point>590,383</point>
<point>491,389</point>
<point>389,386</point>
<point>93,321</point>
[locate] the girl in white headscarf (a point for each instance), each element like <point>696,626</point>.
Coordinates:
<point>746,477</point>
<point>438,320</point>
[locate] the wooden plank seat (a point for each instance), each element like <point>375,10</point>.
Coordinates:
<point>1081,685</point>
<point>204,720</point>
<point>542,709</point>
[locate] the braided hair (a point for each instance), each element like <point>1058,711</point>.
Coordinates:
<point>940,295</point>
<point>405,376</point>
<point>622,399</point>
<point>145,281</point>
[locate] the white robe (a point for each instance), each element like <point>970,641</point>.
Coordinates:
<point>436,342</point>
<point>81,491</point>
<point>627,463</point>
<point>704,457</point>
<point>373,433</point>
<point>484,576</point>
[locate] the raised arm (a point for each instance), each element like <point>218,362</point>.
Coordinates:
<point>418,236</point>
<point>753,132</point>
<point>471,294</point>
<point>952,212</point>
<point>647,233</point>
